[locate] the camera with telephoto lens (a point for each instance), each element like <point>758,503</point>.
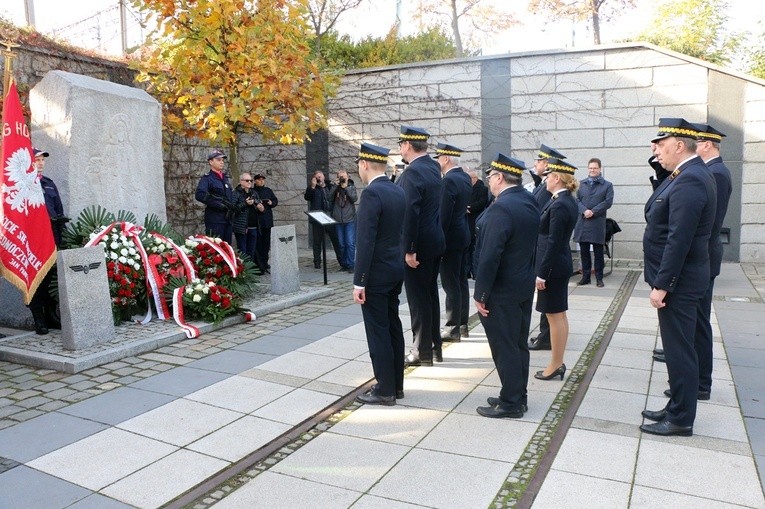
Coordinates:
<point>341,180</point>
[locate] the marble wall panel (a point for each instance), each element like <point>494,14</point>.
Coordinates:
<point>633,58</point>
<point>605,117</point>
<point>657,96</point>
<point>570,101</point>
<point>608,80</point>
<point>679,75</point>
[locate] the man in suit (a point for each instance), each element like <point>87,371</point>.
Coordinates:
<point>504,282</point>
<point>679,218</point>
<point>379,274</point>
<point>595,197</point>
<point>423,243</point>
<point>479,200</point>
<point>542,195</point>
<point>455,197</point>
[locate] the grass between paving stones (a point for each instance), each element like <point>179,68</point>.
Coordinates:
<point>527,466</point>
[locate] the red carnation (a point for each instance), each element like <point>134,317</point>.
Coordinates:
<point>110,265</point>
<point>226,269</point>
<point>214,297</point>
<point>226,302</point>
<point>206,261</point>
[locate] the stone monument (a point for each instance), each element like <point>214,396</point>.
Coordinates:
<point>86,310</point>
<point>285,274</point>
<point>105,145</point>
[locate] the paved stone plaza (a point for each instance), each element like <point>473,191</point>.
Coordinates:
<point>229,420</point>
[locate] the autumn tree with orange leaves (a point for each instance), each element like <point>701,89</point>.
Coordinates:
<point>224,68</point>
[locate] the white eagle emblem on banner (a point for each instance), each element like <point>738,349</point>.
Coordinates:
<point>26,190</point>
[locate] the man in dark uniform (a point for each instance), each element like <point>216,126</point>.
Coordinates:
<point>708,148</point>
<point>268,201</point>
<point>42,305</point>
<point>423,243</point>
<point>479,199</point>
<point>215,191</point>
<point>504,282</point>
<point>542,195</point>
<point>455,197</point>
<point>379,274</point>
<point>679,218</point>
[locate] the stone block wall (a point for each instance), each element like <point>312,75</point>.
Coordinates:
<point>605,102</point>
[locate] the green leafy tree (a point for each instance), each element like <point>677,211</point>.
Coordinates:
<point>478,18</point>
<point>223,68</point>
<point>693,27</point>
<point>755,55</point>
<point>596,11</point>
<point>341,52</point>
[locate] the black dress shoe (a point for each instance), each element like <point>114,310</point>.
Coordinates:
<point>658,351</point>
<point>372,398</point>
<point>703,395</point>
<point>464,331</point>
<point>400,394</point>
<point>438,355</point>
<point>540,375</point>
<point>449,338</point>
<point>495,402</point>
<point>583,281</point>
<point>667,429</point>
<point>536,344</point>
<point>654,415</point>
<point>498,412</point>
<point>414,360</point>
<point>599,283</point>
<point>659,357</point>
<point>316,265</point>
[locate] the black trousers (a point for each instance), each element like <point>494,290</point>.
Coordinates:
<point>263,246</point>
<point>385,337</point>
<point>584,253</point>
<point>424,307</point>
<point>544,329</point>
<point>455,285</point>
<point>677,323</point>
<point>507,327</point>
<point>317,233</point>
<point>703,339</point>
<point>224,231</point>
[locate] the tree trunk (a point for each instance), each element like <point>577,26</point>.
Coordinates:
<point>595,22</point>
<point>456,30</point>
<point>233,167</point>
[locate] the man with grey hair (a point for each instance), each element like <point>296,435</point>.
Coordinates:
<point>479,200</point>
<point>679,219</point>
<point>455,197</point>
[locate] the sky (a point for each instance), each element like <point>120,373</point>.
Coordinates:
<point>94,24</point>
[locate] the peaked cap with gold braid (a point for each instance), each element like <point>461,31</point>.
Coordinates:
<point>506,164</point>
<point>374,153</point>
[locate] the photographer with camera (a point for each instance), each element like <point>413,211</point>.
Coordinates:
<point>215,191</point>
<point>317,196</point>
<point>247,206</point>
<point>343,210</point>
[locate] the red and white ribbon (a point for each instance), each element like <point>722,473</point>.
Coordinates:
<point>190,331</point>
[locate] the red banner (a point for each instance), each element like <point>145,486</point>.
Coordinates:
<point>27,248</point>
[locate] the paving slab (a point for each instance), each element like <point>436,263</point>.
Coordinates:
<point>180,422</point>
<point>164,480</point>
<point>305,365</point>
<point>342,461</point>
<point>180,381</point>
<point>296,406</point>
<point>236,440</point>
<point>418,479</point>
<point>397,425</point>
<point>41,435</point>
<point>278,491</point>
<point>240,394</point>
<point>581,491</point>
<point>600,455</point>
<point>117,405</point>
<point>703,472</point>
<point>24,487</point>
<point>102,459</point>
<point>230,361</point>
<point>273,345</point>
